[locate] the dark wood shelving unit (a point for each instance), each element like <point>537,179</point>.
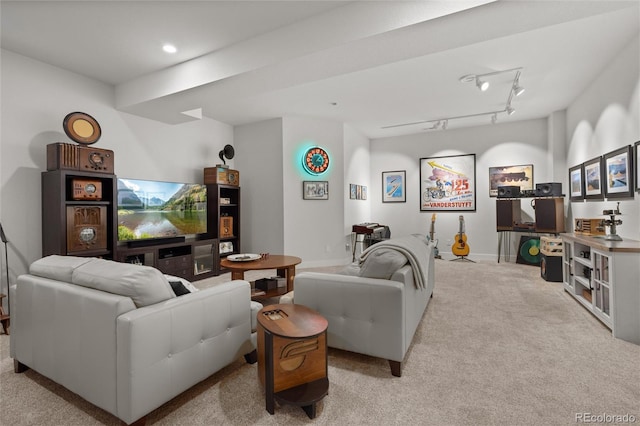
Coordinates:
<point>223,203</point>
<point>78,227</point>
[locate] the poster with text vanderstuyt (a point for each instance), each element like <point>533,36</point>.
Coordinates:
<point>448,183</point>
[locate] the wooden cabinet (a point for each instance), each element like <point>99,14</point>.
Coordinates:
<point>78,213</point>
<point>603,277</point>
<point>223,210</point>
<point>191,260</point>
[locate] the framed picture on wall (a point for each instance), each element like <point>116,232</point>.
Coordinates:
<point>315,190</point>
<point>593,179</point>
<point>521,176</point>
<point>448,183</point>
<point>364,192</point>
<point>636,164</point>
<point>576,183</point>
<point>618,168</point>
<point>352,191</point>
<point>393,186</point>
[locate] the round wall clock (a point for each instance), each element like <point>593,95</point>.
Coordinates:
<point>316,160</point>
<point>82,128</point>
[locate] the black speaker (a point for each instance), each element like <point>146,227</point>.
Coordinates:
<point>549,189</point>
<point>551,268</point>
<point>508,191</point>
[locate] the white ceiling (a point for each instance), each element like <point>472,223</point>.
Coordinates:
<point>371,64</point>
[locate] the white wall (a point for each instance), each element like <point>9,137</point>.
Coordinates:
<point>260,162</point>
<point>35,99</point>
<point>313,228</point>
<point>604,118</point>
<point>357,172</point>
<point>522,142</point>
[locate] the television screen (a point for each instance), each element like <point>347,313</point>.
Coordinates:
<point>154,209</point>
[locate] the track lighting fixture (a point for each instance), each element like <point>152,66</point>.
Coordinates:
<point>445,124</point>
<point>494,118</point>
<point>517,89</point>
<point>482,85</point>
<point>510,110</point>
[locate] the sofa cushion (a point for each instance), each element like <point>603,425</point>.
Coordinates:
<point>56,267</point>
<point>143,284</point>
<point>382,263</point>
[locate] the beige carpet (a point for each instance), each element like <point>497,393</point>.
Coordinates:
<point>497,346</point>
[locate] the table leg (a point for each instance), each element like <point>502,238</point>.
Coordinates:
<point>237,275</point>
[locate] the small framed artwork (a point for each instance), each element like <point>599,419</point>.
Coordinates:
<point>637,164</point>
<point>618,169</point>
<point>364,192</point>
<point>358,192</point>
<point>393,187</point>
<point>576,183</point>
<point>315,190</point>
<point>352,191</point>
<point>521,176</point>
<point>593,182</point>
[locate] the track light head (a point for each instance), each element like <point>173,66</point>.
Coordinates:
<point>482,85</point>
<point>445,124</point>
<point>494,118</point>
<point>518,90</point>
<point>510,110</point>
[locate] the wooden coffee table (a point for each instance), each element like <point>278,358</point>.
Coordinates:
<point>285,266</point>
<point>292,356</point>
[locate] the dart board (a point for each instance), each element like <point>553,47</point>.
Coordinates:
<point>316,160</point>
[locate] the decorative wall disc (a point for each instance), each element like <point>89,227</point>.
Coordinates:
<point>316,160</point>
<point>82,128</point>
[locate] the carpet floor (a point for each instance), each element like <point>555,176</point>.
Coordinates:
<point>497,345</point>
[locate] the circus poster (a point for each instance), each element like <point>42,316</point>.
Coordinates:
<point>448,183</point>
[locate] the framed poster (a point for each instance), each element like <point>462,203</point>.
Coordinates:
<point>618,166</point>
<point>393,187</point>
<point>593,179</point>
<point>448,183</point>
<point>364,192</point>
<point>315,190</point>
<point>637,165</point>
<point>521,176</point>
<point>576,183</point>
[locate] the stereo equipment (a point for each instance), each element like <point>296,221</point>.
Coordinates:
<point>226,227</point>
<point>551,268</point>
<point>508,212</point>
<point>589,226</point>
<point>527,193</point>
<point>549,214</point>
<point>550,189</point>
<point>221,175</point>
<point>86,189</point>
<point>74,157</point>
<point>86,228</point>
<point>508,191</point>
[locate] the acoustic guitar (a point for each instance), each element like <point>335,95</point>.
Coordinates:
<point>460,247</point>
<point>430,237</point>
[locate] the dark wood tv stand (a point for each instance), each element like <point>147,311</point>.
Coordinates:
<point>191,259</point>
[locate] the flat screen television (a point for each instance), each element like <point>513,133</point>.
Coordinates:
<point>150,209</point>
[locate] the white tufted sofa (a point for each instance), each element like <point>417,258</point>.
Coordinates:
<point>373,308</point>
<point>117,335</point>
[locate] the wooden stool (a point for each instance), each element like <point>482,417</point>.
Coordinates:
<point>4,318</point>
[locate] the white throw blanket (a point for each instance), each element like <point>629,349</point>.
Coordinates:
<point>416,250</point>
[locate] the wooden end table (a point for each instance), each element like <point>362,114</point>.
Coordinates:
<point>292,356</point>
<point>285,266</point>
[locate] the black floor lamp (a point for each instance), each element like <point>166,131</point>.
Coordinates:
<point>6,265</point>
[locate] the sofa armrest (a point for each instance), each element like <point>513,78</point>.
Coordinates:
<point>365,315</point>
<point>168,347</point>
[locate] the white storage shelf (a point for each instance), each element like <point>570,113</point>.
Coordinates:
<point>603,276</point>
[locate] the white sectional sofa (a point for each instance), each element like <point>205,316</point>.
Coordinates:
<point>117,335</point>
<point>374,307</point>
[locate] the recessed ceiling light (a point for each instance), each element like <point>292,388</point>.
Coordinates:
<point>169,48</point>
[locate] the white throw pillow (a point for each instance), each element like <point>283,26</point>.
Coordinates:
<point>143,284</point>
<point>382,263</point>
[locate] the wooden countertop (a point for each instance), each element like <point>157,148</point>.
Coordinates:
<point>598,242</point>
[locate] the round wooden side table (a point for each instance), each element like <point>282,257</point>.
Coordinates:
<point>292,356</point>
